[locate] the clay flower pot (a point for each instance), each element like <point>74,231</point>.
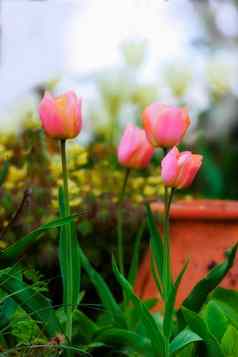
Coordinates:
<point>201,230</point>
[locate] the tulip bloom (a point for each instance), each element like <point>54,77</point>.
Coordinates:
<point>178,170</point>
<point>134,150</point>
<point>164,125</point>
<point>61,116</point>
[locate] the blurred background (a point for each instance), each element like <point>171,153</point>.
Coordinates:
<point>119,56</point>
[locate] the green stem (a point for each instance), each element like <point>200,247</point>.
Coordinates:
<point>123,191</point>
<point>167,261</point>
<point>65,175</point>
<point>68,253</point>
<point>120,251</point>
<point>167,276</point>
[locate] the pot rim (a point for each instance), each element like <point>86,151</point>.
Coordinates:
<point>200,209</point>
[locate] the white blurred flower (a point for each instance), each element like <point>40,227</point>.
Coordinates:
<point>134,52</point>
<point>222,72</point>
<point>12,116</point>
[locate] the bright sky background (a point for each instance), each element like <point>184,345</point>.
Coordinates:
<point>46,39</point>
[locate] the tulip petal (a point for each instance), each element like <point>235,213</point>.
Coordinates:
<point>190,171</point>
<point>134,150</point>
<point>169,167</point>
<point>61,116</point>
<point>165,125</point>
<point>51,121</point>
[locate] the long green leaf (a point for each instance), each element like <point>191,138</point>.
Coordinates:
<point>34,303</point>
<point>155,274</point>
<point>229,343</point>
<point>184,338</point>
<point>215,318</point>
<point>136,256</point>
<point>227,301</point>
<point>196,323</point>
<point>11,253</point>
<point>200,292</point>
<point>84,327</point>
<point>169,306</point>
<point>69,245</point>
<point>108,301</point>
<point>155,239</point>
<point>7,310</point>
<point>155,335</point>
<point>125,338</point>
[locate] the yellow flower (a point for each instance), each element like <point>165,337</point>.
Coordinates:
<point>154,180</point>
<point>3,244</point>
<point>16,177</point>
<point>150,191</point>
<point>137,198</point>
<point>137,182</point>
<point>76,201</point>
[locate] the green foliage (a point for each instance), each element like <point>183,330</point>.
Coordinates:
<point>10,254</point>
<point>229,343</point>
<point>199,326</point>
<point>156,244</point>
<point>69,258</point>
<point>31,301</point>
<point>169,305</point>
<point>215,319</point>
<point>227,301</point>
<point>153,332</point>
<point>135,256</point>
<point>204,287</point>
<point>184,338</point>
<point>108,301</point>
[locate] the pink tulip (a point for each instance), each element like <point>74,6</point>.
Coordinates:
<point>164,125</point>
<point>134,150</point>
<point>61,116</point>
<point>179,169</point>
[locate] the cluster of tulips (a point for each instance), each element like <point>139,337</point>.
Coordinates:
<point>164,127</point>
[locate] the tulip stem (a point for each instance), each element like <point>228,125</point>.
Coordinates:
<point>167,264</point>
<point>120,250</point>
<point>167,276</point>
<point>65,175</point>
<point>123,191</point>
<point>68,299</point>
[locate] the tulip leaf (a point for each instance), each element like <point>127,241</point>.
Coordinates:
<point>153,332</point>
<point>204,287</point>
<point>129,339</point>
<point>155,274</point>
<point>11,253</point>
<point>198,325</point>
<point>136,256</point>
<point>169,306</point>
<point>227,301</point>
<point>229,343</point>
<point>155,241</point>
<point>215,318</point>
<point>69,258</point>
<point>89,327</point>
<point>184,338</point>
<point>108,301</point>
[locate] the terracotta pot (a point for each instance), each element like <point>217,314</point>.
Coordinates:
<point>201,230</point>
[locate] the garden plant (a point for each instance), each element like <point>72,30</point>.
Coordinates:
<point>206,324</point>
